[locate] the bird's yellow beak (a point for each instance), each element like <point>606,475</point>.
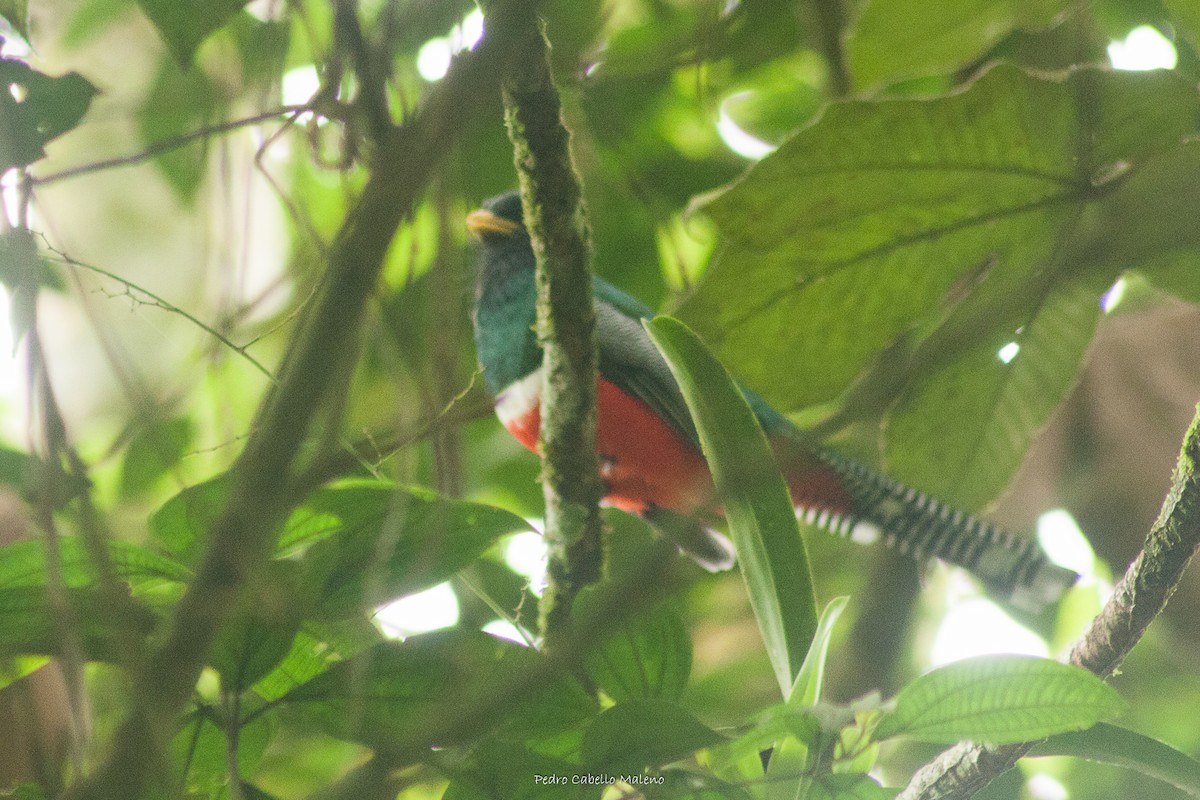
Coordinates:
<point>483,221</point>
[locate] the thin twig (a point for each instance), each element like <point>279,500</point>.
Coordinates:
<point>167,145</point>
<point>566,331</point>
<point>159,302</point>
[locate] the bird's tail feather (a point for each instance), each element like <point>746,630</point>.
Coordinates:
<point>920,526</point>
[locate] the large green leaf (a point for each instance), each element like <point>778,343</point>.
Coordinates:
<point>897,39</point>
<point>29,475</point>
<point>848,787</point>
<point>647,733</point>
<point>650,656</point>
<point>401,694</point>
<point>362,543</point>
<point>31,623</point>
<point>376,542</point>
<point>509,770</point>
<point>181,524</point>
<point>761,518</point>
<point>184,24</point>
<point>947,225</point>
<point>1000,699</point>
<point>315,648</point>
<point>1125,748</point>
<point>24,564</point>
<point>968,463</point>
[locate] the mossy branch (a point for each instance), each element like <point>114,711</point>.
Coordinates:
<point>262,478</point>
<point>1140,596</point>
<point>566,329</point>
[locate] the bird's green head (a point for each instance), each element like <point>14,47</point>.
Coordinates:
<point>499,221</point>
<point>505,294</point>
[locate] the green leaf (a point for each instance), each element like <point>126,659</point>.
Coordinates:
<point>375,542</point>
<point>806,691</point>
<point>36,108</point>
<point>649,657</point>
<point>1163,197</point>
<point>16,12</point>
<point>770,727</point>
<point>26,791</point>
<point>13,669</point>
<point>182,523</point>
<point>423,21</point>
<point>893,40</point>
<point>262,47</point>
<point>848,787</point>
<point>23,267</point>
<point>761,519</point>
<point>180,102</point>
<point>1110,744</point>
<point>865,222</point>
<point>686,784</point>
<point>1186,16</point>
<point>310,655</point>
<point>791,754</point>
<point>946,226</point>
<point>152,452</point>
<point>185,24</point>
<point>1000,699</point>
<point>401,694</point>
<point>200,750</point>
<point>362,543</point>
<point>509,770</point>
<point>260,635</point>
<point>29,623</point>
<point>971,462</point>
<point>26,473</point>
<point>646,733</point>
<point>24,564</point>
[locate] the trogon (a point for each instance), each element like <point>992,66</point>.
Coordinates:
<point>649,452</point>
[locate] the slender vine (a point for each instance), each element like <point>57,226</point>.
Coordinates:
<point>566,329</point>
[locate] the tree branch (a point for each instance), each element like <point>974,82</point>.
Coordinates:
<point>242,537</point>
<point>1173,540</point>
<point>566,329</point>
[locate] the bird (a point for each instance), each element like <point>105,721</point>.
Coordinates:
<point>649,452</point>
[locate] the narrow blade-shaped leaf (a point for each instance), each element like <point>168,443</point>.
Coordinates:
<point>761,518</point>
<point>790,755</point>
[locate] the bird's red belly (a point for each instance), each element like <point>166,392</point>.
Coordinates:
<point>643,461</point>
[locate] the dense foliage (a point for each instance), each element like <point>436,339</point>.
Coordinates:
<point>905,223</point>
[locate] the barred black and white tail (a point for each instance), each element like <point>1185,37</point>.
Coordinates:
<point>920,526</point>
